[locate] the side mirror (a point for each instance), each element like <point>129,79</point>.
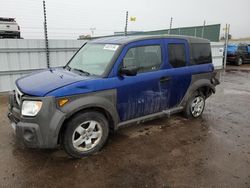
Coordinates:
<point>129,71</point>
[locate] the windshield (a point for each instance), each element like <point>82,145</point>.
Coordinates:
<point>93,58</point>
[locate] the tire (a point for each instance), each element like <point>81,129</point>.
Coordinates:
<point>239,61</point>
<point>85,134</point>
<point>195,106</point>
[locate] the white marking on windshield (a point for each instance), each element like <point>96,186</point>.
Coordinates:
<point>112,47</point>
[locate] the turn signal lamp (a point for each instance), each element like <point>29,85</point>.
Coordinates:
<point>62,102</point>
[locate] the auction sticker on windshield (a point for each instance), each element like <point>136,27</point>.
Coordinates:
<point>110,47</point>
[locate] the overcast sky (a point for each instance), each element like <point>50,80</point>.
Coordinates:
<point>69,19</point>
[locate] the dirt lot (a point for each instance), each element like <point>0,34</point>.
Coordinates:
<point>213,151</point>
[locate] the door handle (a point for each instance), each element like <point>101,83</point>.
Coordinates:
<point>165,79</point>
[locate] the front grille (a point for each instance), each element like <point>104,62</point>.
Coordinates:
<point>18,96</point>
<point>15,101</point>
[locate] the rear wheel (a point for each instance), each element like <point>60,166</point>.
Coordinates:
<point>195,106</point>
<point>85,134</point>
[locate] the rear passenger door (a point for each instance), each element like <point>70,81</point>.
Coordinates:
<point>177,61</point>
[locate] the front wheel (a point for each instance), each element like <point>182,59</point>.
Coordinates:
<point>239,61</point>
<point>195,106</point>
<point>85,134</point>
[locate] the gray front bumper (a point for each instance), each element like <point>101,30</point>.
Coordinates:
<point>41,131</point>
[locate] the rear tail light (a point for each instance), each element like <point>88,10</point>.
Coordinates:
<point>18,27</point>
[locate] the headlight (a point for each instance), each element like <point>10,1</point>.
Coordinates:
<point>31,108</point>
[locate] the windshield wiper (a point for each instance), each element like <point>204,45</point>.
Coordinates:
<point>82,71</point>
<point>67,67</point>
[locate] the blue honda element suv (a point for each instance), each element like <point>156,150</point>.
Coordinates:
<point>111,82</point>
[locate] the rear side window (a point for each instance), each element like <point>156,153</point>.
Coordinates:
<point>177,55</point>
<point>146,58</point>
<point>243,48</point>
<point>200,54</point>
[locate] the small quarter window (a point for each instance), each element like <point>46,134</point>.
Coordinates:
<point>200,53</point>
<point>146,58</point>
<point>177,55</point>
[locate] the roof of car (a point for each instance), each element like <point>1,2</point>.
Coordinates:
<point>7,19</point>
<point>128,39</point>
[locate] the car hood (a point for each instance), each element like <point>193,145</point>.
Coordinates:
<point>42,82</point>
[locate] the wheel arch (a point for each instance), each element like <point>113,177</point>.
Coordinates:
<point>96,104</point>
<point>202,85</point>
<point>206,90</point>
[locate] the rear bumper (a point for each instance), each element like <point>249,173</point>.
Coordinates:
<point>216,78</point>
<point>40,131</point>
<point>10,33</point>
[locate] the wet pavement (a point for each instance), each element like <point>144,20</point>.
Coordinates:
<point>212,151</point>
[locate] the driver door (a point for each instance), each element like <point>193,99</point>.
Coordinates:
<point>141,95</point>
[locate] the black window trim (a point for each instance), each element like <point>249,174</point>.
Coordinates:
<point>191,54</point>
<point>185,48</point>
<point>136,46</point>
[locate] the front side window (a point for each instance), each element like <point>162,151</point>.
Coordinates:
<point>93,58</point>
<point>243,48</point>
<point>177,55</point>
<point>145,58</point>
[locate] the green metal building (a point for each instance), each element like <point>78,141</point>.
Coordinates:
<point>210,32</point>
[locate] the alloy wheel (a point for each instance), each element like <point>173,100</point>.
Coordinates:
<point>87,135</point>
<point>197,106</point>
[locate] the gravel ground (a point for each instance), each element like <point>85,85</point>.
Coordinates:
<point>212,151</point>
